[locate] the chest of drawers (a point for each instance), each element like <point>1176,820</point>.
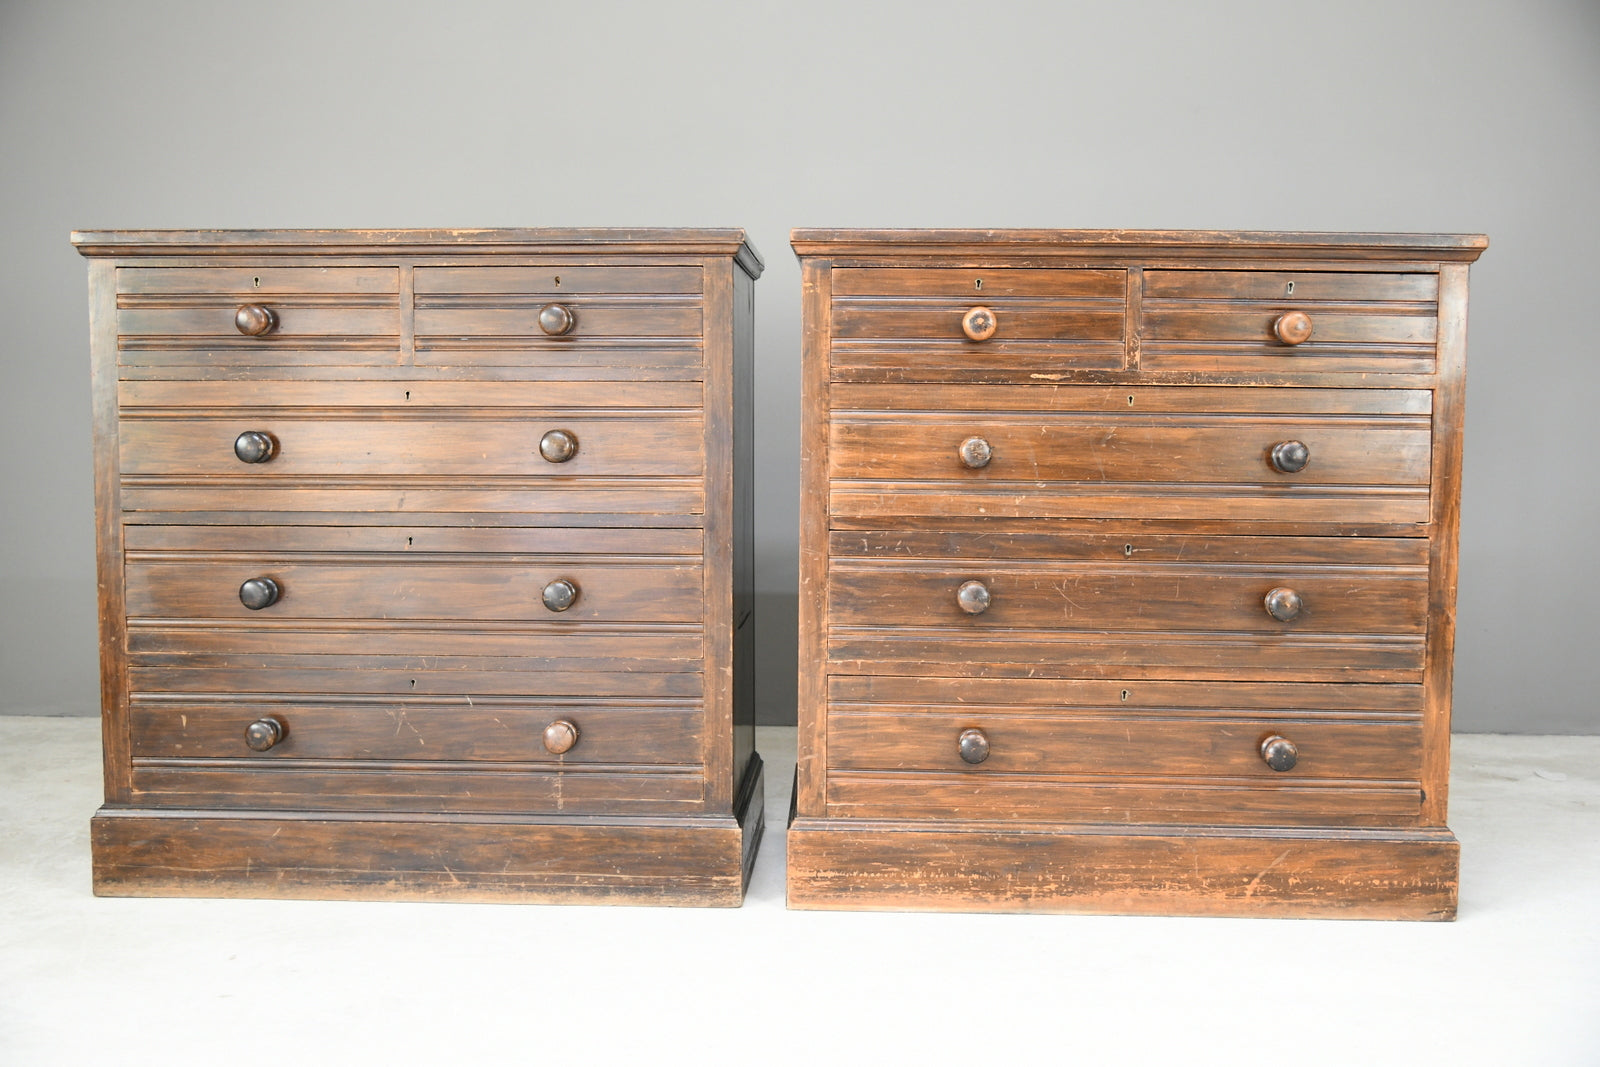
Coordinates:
<point>1128,571</point>
<point>425,563</point>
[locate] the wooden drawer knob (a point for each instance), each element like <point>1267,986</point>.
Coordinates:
<point>259,593</point>
<point>979,324</point>
<point>1279,753</point>
<point>1292,327</point>
<point>1284,605</point>
<point>254,446</point>
<point>976,453</point>
<point>264,733</point>
<point>255,320</point>
<point>973,746</point>
<point>973,597</point>
<point>556,319</point>
<point>558,446</point>
<point>1290,457</point>
<point>560,736</point>
<point>560,594</point>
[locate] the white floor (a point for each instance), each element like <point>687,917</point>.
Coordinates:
<point>1516,980</point>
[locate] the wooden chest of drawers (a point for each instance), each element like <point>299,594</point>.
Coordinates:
<point>1128,571</point>
<point>425,563</point>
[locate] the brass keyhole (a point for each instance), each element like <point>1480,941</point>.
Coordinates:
<point>1130,401</point>
<point>977,283</point>
<point>1288,290</point>
<point>1127,550</point>
<point>258,283</point>
<point>1124,696</point>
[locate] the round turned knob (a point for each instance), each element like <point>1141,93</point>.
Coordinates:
<point>560,736</point>
<point>556,319</point>
<point>973,597</point>
<point>1292,327</point>
<point>560,594</point>
<point>976,453</point>
<point>558,446</point>
<point>1290,457</point>
<point>259,593</point>
<point>974,747</point>
<point>1280,753</point>
<point>253,446</point>
<point>1284,605</point>
<point>979,324</point>
<point>264,733</point>
<point>254,320</point>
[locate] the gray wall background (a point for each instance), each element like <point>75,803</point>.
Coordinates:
<point>1427,116</point>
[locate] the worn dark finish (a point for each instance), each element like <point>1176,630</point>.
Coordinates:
<point>558,446</point>
<point>1170,556</point>
<point>264,733</point>
<point>259,593</point>
<point>373,623</point>
<point>253,446</point>
<point>1290,457</point>
<point>1280,753</point>
<point>254,320</point>
<point>556,320</point>
<point>973,746</point>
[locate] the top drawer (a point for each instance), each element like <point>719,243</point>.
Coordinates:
<point>975,324</point>
<point>258,316</point>
<point>1273,322</point>
<point>645,317</point>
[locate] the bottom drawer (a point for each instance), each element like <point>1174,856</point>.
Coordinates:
<point>522,756</point>
<point>1000,744</point>
<point>989,765</point>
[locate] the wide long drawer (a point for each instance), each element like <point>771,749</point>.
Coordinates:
<point>570,591</point>
<point>1235,598</point>
<point>545,444</point>
<point>495,731</point>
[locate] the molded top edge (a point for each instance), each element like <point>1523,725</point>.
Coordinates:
<point>649,241</point>
<point>1044,242</point>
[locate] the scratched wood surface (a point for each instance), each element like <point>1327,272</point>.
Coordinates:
<point>1038,669</point>
<point>414,529</point>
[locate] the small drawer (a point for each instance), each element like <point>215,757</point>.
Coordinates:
<point>951,324</point>
<point>267,316</point>
<point>273,446</point>
<point>1288,322</point>
<point>465,310</point>
<point>491,731</point>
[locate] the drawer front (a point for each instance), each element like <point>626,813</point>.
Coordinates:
<point>387,590</point>
<point>1095,448</point>
<point>904,324</point>
<point>492,732</point>
<point>1062,640</point>
<point>615,321</point>
<point>468,448</point>
<point>1122,750</point>
<point>1228,321</point>
<point>1037,743</point>
<point>197,317</point>
<point>992,595</point>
